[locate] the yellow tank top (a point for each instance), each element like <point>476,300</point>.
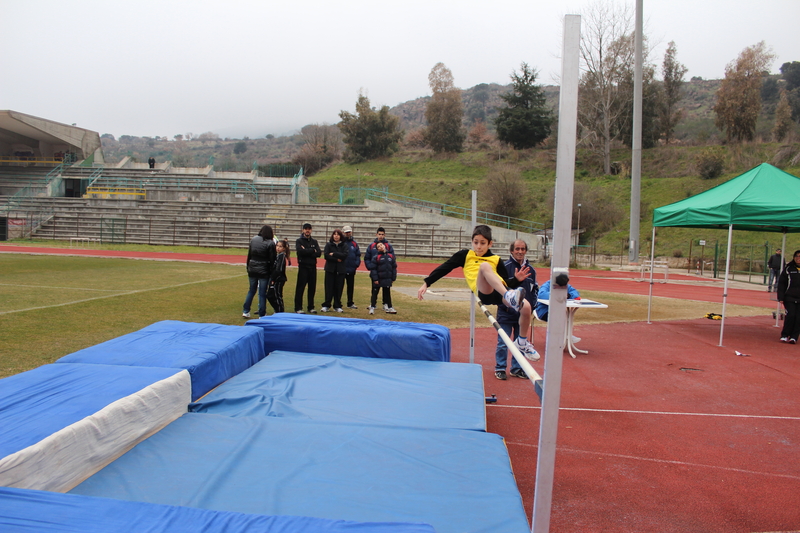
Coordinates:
<point>471,265</point>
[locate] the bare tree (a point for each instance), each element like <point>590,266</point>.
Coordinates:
<point>607,53</point>
<point>783,118</point>
<point>323,145</point>
<point>739,95</point>
<point>503,190</point>
<point>444,112</point>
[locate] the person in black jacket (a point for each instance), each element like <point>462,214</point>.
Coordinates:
<point>335,255</point>
<point>278,277</point>
<point>308,250</point>
<point>369,258</point>
<point>351,265</point>
<point>260,258</point>
<point>789,294</point>
<point>775,265</point>
<point>382,267</point>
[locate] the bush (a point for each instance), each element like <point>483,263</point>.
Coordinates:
<point>677,253</point>
<point>710,163</point>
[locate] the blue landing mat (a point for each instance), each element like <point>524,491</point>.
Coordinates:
<point>355,390</point>
<point>354,336</point>
<point>33,511</point>
<point>455,480</point>
<point>37,403</point>
<point>211,353</point>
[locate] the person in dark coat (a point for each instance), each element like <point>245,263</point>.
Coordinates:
<point>278,277</point>
<point>775,265</point>
<point>382,267</point>
<point>369,258</point>
<point>335,255</point>
<point>260,259</point>
<point>351,265</point>
<point>307,250</point>
<point>789,294</point>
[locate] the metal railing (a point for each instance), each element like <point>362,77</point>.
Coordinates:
<point>352,195</point>
<point>220,185</point>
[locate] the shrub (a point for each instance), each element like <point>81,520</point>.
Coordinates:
<point>710,163</point>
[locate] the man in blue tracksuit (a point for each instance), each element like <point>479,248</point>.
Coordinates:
<point>509,319</point>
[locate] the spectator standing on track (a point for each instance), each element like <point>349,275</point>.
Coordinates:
<point>775,265</point>
<point>369,258</point>
<point>260,258</point>
<point>509,319</point>
<point>351,265</point>
<point>382,267</point>
<point>789,294</point>
<point>307,250</point>
<point>278,277</point>
<point>335,255</point>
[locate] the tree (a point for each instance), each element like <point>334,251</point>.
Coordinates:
<point>503,190</point>
<point>526,120</point>
<point>607,53</point>
<point>791,73</point>
<point>323,145</point>
<point>783,118</point>
<point>369,133</point>
<point>240,147</point>
<point>669,113</point>
<point>444,112</point>
<point>739,95</point>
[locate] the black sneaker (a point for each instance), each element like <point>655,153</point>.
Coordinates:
<point>500,374</point>
<point>792,341</point>
<point>312,311</point>
<point>519,373</point>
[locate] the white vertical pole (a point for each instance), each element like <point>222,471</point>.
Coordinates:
<point>652,259</point>
<point>557,323</point>
<point>725,290</point>
<point>778,304</point>
<point>636,142</point>
<point>472,300</point>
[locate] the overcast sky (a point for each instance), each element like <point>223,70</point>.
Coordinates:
<point>249,68</point>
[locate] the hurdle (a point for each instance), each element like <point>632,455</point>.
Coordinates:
<point>531,372</point>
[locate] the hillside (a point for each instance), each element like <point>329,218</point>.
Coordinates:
<point>668,175</point>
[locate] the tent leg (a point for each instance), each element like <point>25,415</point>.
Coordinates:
<point>652,258</point>
<point>725,290</point>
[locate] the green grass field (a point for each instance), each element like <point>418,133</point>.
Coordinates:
<point>51,306</point>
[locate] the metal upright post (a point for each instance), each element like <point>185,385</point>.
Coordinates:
<point>562,229</point>
<point>472,300</point>
<point>636,156</point>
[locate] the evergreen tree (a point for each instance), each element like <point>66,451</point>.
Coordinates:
<point>673,72</point>
<point>526,121</point>
<point>369,134</point>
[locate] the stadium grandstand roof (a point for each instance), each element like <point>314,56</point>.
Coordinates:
<point>41,138</point>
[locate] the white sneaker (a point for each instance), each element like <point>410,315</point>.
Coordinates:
<point>339,310</point>
<point>575,340</point>
<point>514,298</point>
<point>391,310</point>
<point>527,349</point>
<point>325,309</point>
<point>245,315</point>
<point>385,307</point>
<point>371,310</point>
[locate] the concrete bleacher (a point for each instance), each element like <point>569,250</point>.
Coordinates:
<point>230,224</point>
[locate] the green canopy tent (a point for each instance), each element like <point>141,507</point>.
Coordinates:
<point>764,198</point>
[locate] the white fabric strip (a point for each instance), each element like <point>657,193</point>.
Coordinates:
<point>61,461</point>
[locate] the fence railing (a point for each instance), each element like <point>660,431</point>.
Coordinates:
<point>349,195</point>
